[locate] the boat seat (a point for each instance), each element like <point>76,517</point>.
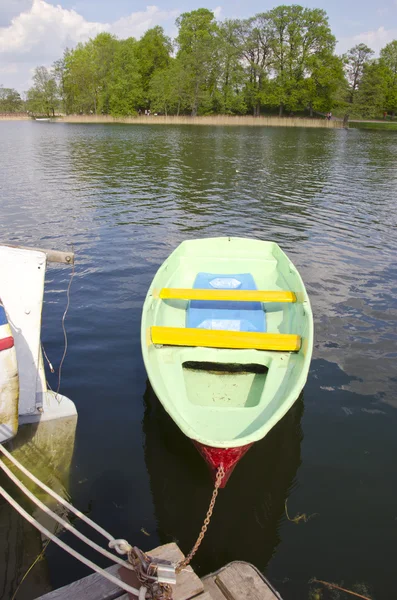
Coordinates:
<point>228,314</point>
<point>235,295</point>
<point>212,338</point>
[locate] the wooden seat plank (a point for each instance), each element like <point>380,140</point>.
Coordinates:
<point>213,338</point>
<point>226,295</point>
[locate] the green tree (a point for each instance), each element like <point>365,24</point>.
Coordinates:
<point>154,54</point>
<point>42,97</point>
<point>371,95</point>
<point>198,45</point>
<point>303,47</point>
<point>10,100</point>
<point>231,79</point>
<point>125,85</point>
<point>255,43</point>
<point>355,61</point>
<point>87,72</point>
<point>388,56</point>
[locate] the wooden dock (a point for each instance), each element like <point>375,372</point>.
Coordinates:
<point>236,581</point>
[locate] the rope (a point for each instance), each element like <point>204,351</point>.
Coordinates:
<point>51,492</point>
<point>147,569</point>
<point>64,329</point>
<point>184,563</point>
<point>80,557</point>
<point>60,520</point>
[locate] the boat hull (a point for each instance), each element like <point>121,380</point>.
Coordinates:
<point>221,457</point>
<point>226,398</point>
<point>9,381</point>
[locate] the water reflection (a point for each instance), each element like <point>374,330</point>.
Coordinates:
<point>248,511</point>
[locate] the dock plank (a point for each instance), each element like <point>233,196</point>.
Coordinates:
<point>96,587</point>
<point>241,580</point>
<point>211,587</point>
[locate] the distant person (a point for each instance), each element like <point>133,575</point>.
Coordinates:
<point>384,115</point>
<point>145,112</point>
<point>139,112</point>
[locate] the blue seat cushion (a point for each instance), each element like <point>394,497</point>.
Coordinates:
<point>230,316</point>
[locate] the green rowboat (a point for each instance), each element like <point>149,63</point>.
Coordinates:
<point>227,337</point>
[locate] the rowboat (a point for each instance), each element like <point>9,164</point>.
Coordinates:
<point>227,337</point>
<point>9,381</point>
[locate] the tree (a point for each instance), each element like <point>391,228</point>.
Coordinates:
<point>255,39</point>
<point>154,54</point>
<point>302,46</point>
<point>42,97</point>
<point>125,85</point>
<point>198,44</point>
<point>325,79</point>
<point>231,78</point>
<point>355,61</point>
<point>10,100</point>
<point>87,72</point>
<point>388,58</point>
<point>371,94</point>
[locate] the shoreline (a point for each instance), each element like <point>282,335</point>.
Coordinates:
<point>219,120</point>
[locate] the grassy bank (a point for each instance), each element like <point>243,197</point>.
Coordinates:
<point>383,125</point>
<point>210,120</point>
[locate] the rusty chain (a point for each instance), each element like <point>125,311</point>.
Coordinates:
<point>184,563</point>
<point>146,567</point>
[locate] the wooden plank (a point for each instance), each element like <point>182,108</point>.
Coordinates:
<point>96,587</point>
<point>203,596</point>
<point>92,587</point>
<point>215,338</point>
<point>226,295</point>
<point>56,256</point>
<point>241,580</point>
<point>210,586</point>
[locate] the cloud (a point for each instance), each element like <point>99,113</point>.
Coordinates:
<point>137,23</point>
<point>40,33</point>
<point>11,8</point>
<point>375,39</point>
<point>217,11</point>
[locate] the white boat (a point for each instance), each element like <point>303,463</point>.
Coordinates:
<point>22,276</point>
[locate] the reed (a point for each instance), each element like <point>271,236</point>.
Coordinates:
<point>223,120</point>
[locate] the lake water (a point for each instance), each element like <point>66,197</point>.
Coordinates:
<point>125,197</point>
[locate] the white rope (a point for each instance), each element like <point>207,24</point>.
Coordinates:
<point>64,523</point>
<point>56,496</point>
<point>80,557</point>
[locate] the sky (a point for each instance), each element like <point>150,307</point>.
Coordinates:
<point>35,32</point>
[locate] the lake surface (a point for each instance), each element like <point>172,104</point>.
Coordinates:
<point>125,197</point>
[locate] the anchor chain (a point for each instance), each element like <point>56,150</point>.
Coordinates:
<point>150,571</point>
<point>156,575</point>
<point>184,563</point>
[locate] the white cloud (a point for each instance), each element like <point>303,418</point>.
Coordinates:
<point>137,23</point>
<point>375,39</point>
<point>39,34</point>
<point>217,11</point>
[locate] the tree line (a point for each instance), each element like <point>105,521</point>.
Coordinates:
<point>281,61</point>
